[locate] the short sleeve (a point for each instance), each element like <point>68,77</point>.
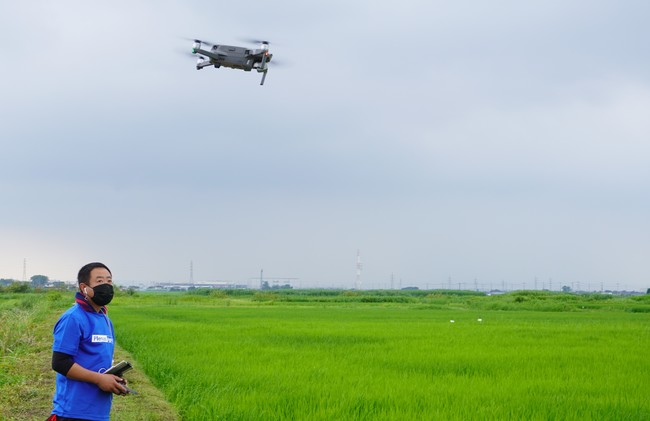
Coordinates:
<point>67,335</point>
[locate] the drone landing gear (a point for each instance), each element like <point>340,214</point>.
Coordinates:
<point>264,67</point>
<point>202,62</point>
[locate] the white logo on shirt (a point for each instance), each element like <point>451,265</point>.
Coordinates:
<point>102,338</point>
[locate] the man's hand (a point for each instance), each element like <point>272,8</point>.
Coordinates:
<point>107,382</point>
<point>112,384</point>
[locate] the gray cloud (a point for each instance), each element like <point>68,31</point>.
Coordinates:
<point>498,142</point>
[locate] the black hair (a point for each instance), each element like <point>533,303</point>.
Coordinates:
<point>84,273</point>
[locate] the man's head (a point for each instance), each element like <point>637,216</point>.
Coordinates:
<point>95,275</point>
<point>85,273</point>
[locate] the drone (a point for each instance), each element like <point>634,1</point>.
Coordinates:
<point>233,57</point>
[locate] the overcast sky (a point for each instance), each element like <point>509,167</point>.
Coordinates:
<point>470,143</point>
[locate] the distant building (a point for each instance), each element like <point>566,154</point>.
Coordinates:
<point>172,286</point>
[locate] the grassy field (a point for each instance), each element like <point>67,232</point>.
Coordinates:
<point>390,356</point>
<point>372,355</point>
<point>26,379</point>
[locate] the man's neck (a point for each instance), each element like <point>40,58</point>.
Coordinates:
<point>94,306</point>
<point>87,303</point>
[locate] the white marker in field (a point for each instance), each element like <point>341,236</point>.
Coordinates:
<point>452,321</point>
<point>479,320</point>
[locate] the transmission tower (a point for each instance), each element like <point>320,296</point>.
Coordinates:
<point>24,270</point>
<point>358,280</point>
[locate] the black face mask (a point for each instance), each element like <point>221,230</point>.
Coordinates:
<point>103,294</point>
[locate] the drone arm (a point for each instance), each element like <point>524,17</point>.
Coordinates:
<point>206,54</point>
<point>263,77</point>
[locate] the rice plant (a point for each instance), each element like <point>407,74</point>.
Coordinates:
<point>362,361</point>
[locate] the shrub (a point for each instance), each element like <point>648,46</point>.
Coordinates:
<point>265,296</point>
<point>19,287</point>
<point>639,309</point>
<point>54,296</point>
<point>218,293</point>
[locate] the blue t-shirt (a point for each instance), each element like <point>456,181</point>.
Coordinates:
<point>89,337</point>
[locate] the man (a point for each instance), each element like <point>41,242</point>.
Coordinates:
<point>83,350</point>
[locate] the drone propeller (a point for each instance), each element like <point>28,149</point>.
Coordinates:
<point>264,44</point>
<point>205,42</point>
<point>189,54</point>
<point>200,41</point>
<point>255,41</point>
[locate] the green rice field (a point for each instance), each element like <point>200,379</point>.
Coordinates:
<point>392,356</point>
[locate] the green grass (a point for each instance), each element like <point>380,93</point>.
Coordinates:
<point>224,358</point>
<point>26,378</point>
<point>353,355</point>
